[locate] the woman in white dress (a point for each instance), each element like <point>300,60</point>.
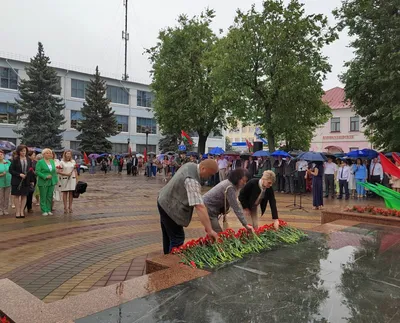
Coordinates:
<point>352,182</point>
<point>67,180</point>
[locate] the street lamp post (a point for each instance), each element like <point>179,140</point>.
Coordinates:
<point>129,141</point>
<point>147,131</point>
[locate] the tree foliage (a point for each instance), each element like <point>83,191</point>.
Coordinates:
<point>270,69</point>
<point>99,121</point>
<point>184,91</point>
<point>39,110</point>
<point>373,78</point>
<point>170,142</point>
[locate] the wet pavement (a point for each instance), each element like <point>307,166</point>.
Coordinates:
<point>113,230</point>
<point>352,275</point>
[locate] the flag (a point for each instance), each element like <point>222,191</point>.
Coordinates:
<point>249,145</point>
<point>85,158</point>
<point>189,139</point>
<point>129,150</point>
<point>145,155</point>
<point>388,166</point>
<point>396,157</point>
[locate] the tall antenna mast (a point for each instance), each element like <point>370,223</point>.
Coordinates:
<point>125,36</point>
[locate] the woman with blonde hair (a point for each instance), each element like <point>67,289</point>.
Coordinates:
<point>258,192</point>
<point>67,180</point>
<point>47,179</point>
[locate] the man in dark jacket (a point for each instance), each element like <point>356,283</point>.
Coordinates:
<point>288,171</point>
<point>280,183</point>
<point>259,192</point>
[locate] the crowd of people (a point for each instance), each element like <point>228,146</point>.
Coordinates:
<point>43,177</point>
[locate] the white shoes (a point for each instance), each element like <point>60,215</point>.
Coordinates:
<point>50,213</point>
<point>45,214</point>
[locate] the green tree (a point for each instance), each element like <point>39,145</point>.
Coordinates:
<point>184,92</point>
<point>99,121</point>
<point>170,142</point>
<point>372,78</point>
<point>39,110</point>
<point>271,69</point>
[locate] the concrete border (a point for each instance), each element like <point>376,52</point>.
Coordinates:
<point>330,216</point>
<point>162,272</point>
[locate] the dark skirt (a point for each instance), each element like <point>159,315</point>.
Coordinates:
<point>317,193</point>
<point>22,191</point>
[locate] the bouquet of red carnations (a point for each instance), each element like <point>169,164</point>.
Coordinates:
<point>232,245</point>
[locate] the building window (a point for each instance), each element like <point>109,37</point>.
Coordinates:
<point>8,78</point>
<point>140,148</point>
<point>75,145</point>
<point>78,88</point>
<point>353,148</point>
<point>122,123</point>
<point>76,117</point>
<point>142,123</point>
<point>355,123</point>
<point>335,125</point>
<point>144,99</point>
<point>117,94</point>
<point>119,148</point>
<point>8,113</point>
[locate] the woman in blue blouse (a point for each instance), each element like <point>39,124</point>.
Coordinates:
<point>360,175</point>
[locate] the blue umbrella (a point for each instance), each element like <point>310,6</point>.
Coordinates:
<point>280,153</point>
<point>217,151</point>
<point>313,156</point>
<point>364,153</point>
<point>261,153</point>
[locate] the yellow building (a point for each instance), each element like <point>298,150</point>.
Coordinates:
<point>240,133</point>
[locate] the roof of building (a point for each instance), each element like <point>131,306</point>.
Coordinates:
<point>335,98</point>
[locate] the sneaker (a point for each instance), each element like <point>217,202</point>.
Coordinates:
<point>50,213</point>
<point>45,214</point>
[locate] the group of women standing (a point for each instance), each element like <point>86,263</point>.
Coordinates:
<point>45,172</point>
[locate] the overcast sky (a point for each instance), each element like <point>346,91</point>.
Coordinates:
<point>86,33</point>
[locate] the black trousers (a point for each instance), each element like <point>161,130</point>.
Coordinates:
<point>344,185</point>
<point>280,182</point>
<point>29,200</point>
<point>172,233</point>
<point>373,180</point>
<point>329,185</point>
<point>302,181</point>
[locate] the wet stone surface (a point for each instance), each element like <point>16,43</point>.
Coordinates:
<point>347,276</point>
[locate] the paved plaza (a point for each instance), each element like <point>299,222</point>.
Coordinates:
<point>114,228</point>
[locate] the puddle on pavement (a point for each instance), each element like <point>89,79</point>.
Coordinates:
<point>351,276</point>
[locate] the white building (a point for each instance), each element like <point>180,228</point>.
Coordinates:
<point>131,102</point>
<point>344,132</point>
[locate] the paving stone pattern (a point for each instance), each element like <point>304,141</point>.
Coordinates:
<point>113,230</point>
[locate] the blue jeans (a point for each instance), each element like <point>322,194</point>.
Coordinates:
<point>92,171</point>
<point>360,188</point>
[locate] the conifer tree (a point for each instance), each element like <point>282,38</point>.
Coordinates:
<point>39,110</point>
<point>99,121</point>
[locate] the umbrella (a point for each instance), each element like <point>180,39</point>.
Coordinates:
<point>295,153</point>
<point>280,153</point>
<point>217,151</point>
<point>94,156</point>
<point>313,156</point>
<point>261,153</point>
<point>232,153</point>
<point>171,153</point>
<point>364,153</point>
<point>192,153</point>
<point>151,153</point>
<point>161,156</point>
<point>7,145</point>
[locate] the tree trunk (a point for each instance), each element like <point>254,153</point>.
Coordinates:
<point>271,140</point>
<point>202,143</point>
<point>270,133</point>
